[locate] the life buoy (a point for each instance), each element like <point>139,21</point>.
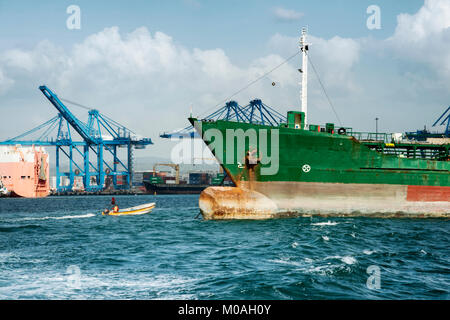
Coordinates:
<point>342,131</point>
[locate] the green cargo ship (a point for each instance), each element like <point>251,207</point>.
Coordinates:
<point>296,168</point>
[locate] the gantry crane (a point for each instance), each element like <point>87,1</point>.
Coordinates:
<point>445,117</point>
<point>99,134</point>
<point>255,112</point>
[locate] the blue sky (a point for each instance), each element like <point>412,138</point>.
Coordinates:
<point>240,27</point>
<point>155,59</point>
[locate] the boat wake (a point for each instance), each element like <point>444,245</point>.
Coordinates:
<point>88,215</point>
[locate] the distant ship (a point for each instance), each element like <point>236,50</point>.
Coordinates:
<point>165,188</point>
<point>199,182</point>
<point>24,172</point>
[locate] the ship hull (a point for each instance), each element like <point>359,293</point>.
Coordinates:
<point>265,200</point>
<point>25,171</point>
<point>320,174</point>
<point>154,188</point>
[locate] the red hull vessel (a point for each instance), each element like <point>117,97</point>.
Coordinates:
<point>24,171</point>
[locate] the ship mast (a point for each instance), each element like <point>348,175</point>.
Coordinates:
<point>304,71</point>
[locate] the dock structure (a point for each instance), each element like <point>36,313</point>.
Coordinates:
<point>101,136</point>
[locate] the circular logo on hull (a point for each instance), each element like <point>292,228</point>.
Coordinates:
<point>306,168</point>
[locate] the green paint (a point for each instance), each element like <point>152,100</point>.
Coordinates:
<point>334,158</point>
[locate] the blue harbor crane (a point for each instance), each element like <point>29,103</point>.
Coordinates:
<point>445,117</point>
<point>422,135</point>
<point>255,112</point>
<point>100,135</point>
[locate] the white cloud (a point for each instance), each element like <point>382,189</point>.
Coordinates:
<point>333,58</point>
<point>141,79</point>
<point>148,81</point>
<point>5,82</point>
<point>425,37</point>
<point>282,14</point>
<point>433,17</point>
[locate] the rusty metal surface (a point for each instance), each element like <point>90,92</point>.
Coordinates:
<point>235,203</point>
<point>257,200</point>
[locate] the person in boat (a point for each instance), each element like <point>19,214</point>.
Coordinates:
<point>106,212</point>
<point>115,206</point>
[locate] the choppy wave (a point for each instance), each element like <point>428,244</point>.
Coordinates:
<point>169,254</point>
<point>328,223</point>
<point>100,285</point>
<point>20,228</point>
<point>348,259</point>
<point>320,267</point>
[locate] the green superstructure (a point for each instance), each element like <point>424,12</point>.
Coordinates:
<point>338,158</point>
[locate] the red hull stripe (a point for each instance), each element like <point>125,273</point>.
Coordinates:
<point>428,193</point>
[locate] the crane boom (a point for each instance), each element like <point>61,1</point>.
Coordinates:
<point>445,117</point>
<point>65,112</point>
<point>442,115</point>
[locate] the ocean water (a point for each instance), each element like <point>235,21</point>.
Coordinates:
<point>61,248</point>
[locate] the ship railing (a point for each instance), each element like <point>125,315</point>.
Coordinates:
<point>379,137</point>
<point>412,152</point>
<point>373,137</point>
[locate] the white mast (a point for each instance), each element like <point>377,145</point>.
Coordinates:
<point>304,71</point>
